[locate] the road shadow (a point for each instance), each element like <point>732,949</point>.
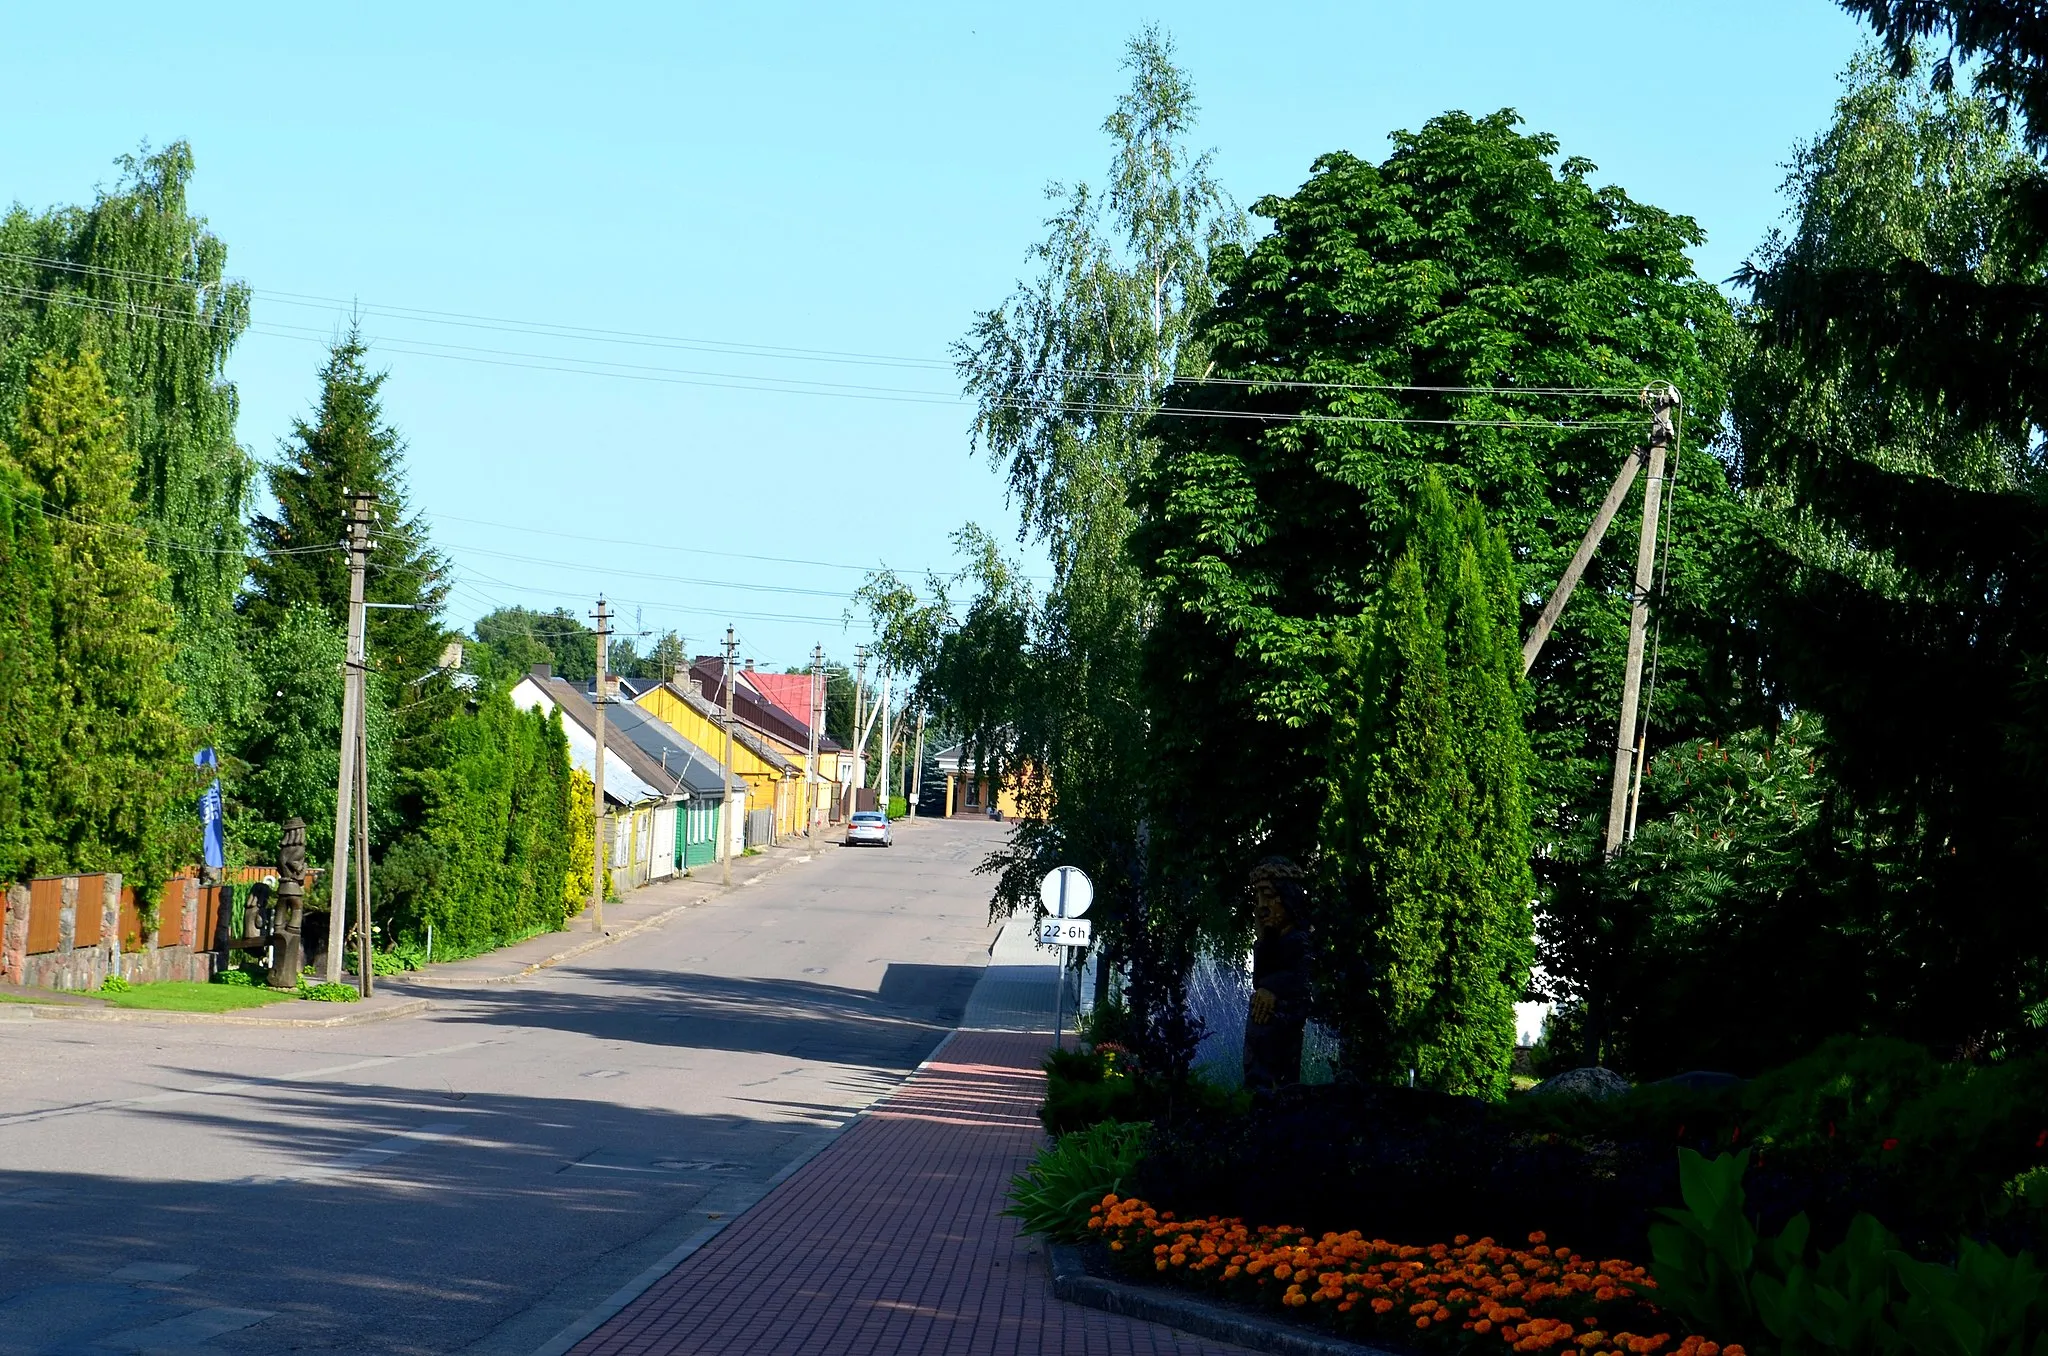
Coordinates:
<point>487,1214</point>
<point>894,1027</point>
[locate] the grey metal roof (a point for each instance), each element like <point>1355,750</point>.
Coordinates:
<point>745,738</point>
<point>696,770</point>
<point>576,705</point>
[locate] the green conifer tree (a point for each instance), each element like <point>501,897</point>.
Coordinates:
<point>139,280</point>
<point>27,727</point>
<point>1425,830</point>
<point>111,762</point>
<point>347,447</point>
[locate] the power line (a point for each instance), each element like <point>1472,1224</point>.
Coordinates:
<point>143,535</point>
<point>741,381</point>
<point>666,546</point>
<point>587,333</point>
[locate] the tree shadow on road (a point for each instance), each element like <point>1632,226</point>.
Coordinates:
<point>372,1217</point>
<point>893,1028</point>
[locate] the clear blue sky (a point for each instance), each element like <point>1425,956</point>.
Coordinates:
<point>798,179</point>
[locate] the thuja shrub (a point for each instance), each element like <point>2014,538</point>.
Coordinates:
<point>493,846</point>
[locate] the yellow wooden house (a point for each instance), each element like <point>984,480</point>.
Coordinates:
<point>774,783</point>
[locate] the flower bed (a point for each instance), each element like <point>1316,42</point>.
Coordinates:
<point>1464,1295</point>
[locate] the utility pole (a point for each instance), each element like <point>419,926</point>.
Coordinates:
<point>1561,595</point>
<point>351,720</point>
<point>917,766</point>
<point>725,838</point>
<point>597,853</point>
<point>363,971</point>
<point>1663,403</point>
<point>882,782</point>
<point>860,728</point>
<point>817,719</point>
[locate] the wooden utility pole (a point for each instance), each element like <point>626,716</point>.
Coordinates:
<point>1561,595</point>
<point>817,719</point>
<point>860,729</point>
<point>725,837</point>
<point>598,698</point>
<point>351,718</point>
<point>1663,402</point>
<point>882,782</point>
<point>363,969</point>
<point>917,766</point>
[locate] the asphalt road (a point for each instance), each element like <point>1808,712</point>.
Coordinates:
<point>475,1178</point>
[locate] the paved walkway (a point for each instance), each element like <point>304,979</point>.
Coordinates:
<point>890,1241</point>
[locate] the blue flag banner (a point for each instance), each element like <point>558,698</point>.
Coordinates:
<point>210,831</point>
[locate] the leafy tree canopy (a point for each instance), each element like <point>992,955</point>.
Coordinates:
<point>1899,487</point>
<point>522,637</point>
<point>1473,304</point>
<point>138,280</point>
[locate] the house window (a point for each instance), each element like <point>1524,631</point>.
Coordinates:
<point>973,793</point>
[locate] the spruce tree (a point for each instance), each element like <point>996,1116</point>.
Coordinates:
<point>109,767</point>
<point>348,447</point>
<point>1425,829</point>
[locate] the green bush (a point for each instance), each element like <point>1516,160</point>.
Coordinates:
<point>1053,1196</point>
<point>898,807</point>
<point>1929,1147</point>
<point>1865,1295</point>
<point>114,984</point>
<point>238,977</point>
<point>329,993</point>
<point>381,963</point>
<point>1084,1088</point>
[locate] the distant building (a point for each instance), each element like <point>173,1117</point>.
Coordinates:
<point>776,708</point>
<point>774,782</point>
<point>968,791</point>
<point>640,796</point>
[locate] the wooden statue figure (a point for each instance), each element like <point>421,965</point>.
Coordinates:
<point>287,946</point>
<point>1281,961</point>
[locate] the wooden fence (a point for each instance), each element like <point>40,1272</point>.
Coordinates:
<point>57,928</point>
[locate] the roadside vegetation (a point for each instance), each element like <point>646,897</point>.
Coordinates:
<point>1800,999</point>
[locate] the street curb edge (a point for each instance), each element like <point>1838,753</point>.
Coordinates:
<point>1072,1282</point>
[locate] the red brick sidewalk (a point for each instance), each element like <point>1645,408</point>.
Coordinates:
<point>890,1241</point>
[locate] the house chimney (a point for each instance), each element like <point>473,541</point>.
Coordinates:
<point>750,666</point>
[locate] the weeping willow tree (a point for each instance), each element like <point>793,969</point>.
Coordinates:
<point>138,280</point>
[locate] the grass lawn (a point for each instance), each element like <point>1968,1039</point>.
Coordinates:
<point>184,995</point>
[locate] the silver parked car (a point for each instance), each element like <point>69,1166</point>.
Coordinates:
<point>868,826</point>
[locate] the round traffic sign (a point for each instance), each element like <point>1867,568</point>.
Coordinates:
<point>1066,892</point>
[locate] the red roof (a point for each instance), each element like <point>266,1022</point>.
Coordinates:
<point>790,691</point>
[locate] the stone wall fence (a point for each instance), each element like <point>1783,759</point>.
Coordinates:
<point>71,932</point>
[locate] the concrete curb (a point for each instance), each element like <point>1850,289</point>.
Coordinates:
<point>426,978</point>
<point>351,1015</point>
<point>1072,1282</point>
<point>565,1340</point>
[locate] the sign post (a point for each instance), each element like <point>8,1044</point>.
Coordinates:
<point>1066,892</point>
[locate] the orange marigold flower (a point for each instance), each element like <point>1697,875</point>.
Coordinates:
<point>1382,1305</point>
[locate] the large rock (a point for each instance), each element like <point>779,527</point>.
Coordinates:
<point>1594,1083</point>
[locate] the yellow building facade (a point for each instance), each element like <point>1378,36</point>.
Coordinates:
<point>773,781</point>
